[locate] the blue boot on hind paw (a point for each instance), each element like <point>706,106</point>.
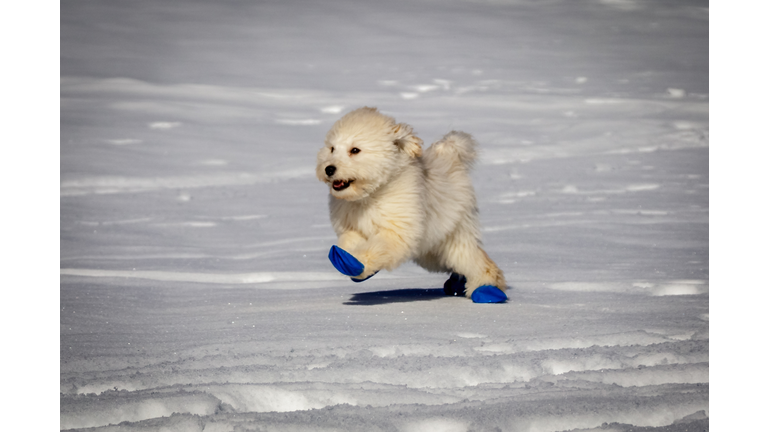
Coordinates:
<point>454,286</point>
<point>488,294</point>
<point>347,264</point>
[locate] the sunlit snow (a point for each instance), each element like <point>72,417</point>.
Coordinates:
<point>196,293</point>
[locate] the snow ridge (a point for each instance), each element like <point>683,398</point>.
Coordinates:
<point>447,378</point>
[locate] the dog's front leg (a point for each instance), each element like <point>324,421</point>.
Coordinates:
<point>385,250</point>
<point>350,240</point>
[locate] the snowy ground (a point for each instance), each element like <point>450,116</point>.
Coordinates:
<point>195,290</point>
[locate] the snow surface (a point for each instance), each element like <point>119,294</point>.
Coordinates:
<point>195,288</point>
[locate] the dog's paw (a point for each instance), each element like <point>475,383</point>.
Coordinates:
<point>347,264</point>
<point>366,278</point>
<point>454,286</point>
<point>488,294</point>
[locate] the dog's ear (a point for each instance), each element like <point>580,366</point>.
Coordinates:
<point>406,140</point>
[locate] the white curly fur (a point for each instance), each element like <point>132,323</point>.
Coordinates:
<point>397,203</point>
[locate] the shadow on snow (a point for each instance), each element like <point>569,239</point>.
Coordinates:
<point>395,296</point>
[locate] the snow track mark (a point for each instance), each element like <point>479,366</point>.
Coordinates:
<point>214,278</point>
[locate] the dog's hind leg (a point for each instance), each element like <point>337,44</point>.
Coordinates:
<point>462,253</point>
<point>432,263</point>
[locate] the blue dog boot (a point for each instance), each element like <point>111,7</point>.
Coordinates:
<point>488,294</point>
<point>346,264</point>
<point>454,286</point>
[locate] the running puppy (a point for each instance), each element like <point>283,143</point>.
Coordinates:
<point>391,202</point>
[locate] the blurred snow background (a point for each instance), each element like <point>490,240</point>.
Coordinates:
<point>195,291</point>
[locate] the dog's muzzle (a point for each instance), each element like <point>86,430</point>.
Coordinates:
<point>329,170</point>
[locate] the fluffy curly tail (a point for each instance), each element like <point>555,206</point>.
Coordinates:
<point>460,144</point>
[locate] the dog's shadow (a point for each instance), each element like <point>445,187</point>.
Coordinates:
<point>395,296</point>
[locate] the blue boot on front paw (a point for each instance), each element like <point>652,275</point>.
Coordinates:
<point>347,264</point>
<point>488,294</point>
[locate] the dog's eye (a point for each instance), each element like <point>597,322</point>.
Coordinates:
<point>331,149</point>
<point>355,150</point>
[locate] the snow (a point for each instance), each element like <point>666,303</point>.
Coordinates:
<point>195,289</point>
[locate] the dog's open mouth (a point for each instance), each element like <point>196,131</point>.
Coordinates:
<point>340,185</point>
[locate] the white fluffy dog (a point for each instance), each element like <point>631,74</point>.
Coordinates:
<point>392,202</point>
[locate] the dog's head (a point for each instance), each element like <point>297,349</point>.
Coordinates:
<point>362,151</point>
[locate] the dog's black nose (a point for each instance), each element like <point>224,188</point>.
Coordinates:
<point>329,170</point>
